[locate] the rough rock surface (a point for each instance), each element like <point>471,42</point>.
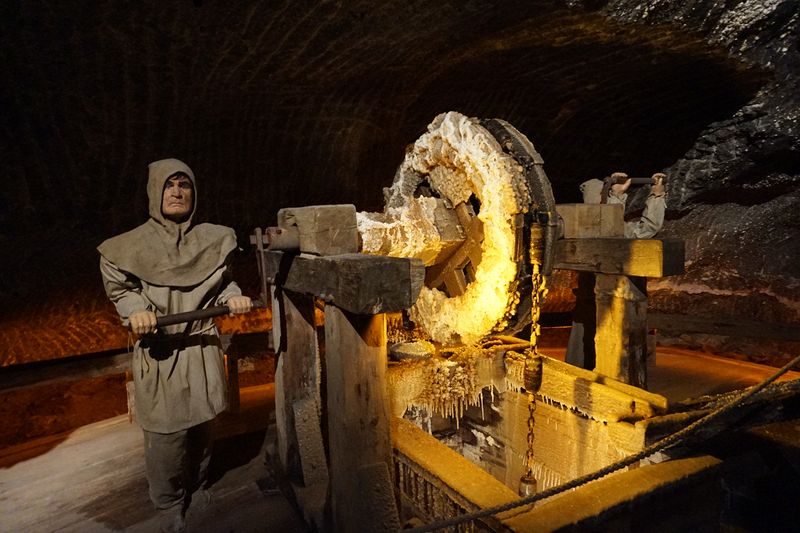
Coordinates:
<point>734,196</point>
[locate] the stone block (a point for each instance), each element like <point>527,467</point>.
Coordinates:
<point>323,229</point>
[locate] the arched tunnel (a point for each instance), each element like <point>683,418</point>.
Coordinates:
<point>312,102</point>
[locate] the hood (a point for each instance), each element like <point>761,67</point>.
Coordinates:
<point>591,190</point>
<point>162,252</point>
<point>159,172</point>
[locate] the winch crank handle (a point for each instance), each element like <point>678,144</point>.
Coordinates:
<point>608,182</point>
<point>200,314</point>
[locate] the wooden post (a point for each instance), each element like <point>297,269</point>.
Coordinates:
<point>621,336</point>
<point>232,375</point>
<point>621,299</point>
<point>298,404</point>
<point>358,423</point>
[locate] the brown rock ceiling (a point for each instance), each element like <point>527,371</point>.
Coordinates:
<point>299,103</point>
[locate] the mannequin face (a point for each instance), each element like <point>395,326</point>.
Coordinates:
<point>177,199</point>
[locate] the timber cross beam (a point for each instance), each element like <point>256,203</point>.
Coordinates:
<point>594,243</point>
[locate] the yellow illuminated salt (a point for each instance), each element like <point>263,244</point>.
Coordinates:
<point>459,159</point>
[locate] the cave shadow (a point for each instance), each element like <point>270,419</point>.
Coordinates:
<point>232,452</point>
<point>26,451</point>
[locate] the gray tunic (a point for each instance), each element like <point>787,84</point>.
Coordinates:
<point>178,373</point>
<point>652,217</point>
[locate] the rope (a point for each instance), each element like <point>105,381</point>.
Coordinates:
<point>663,444</point>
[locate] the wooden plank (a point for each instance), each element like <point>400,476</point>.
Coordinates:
<point>568,445</point>
<point>595,395</point>
<point>359,283</point>
<point>298,379</point>
<point>602,504</point>
<point>652,258</point>
<point>440,480</point>
<point>362,496</point>
<point>638,499</point>
<point>322,229</point>
<point>592,220</point>
<point>621,334</point>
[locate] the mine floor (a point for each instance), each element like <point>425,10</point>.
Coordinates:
<point>92,478</point>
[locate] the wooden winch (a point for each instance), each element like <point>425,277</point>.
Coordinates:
<point>469,222</point>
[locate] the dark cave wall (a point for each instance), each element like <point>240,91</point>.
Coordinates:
<point>735,195</point>
<point>299,103</point>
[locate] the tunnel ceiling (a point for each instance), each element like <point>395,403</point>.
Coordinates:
<point>298,103</point>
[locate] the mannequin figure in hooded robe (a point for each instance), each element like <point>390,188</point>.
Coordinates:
<point>581,347</point>
<point>166,266</point>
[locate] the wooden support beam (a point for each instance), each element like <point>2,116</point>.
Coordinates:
<point>359,283</point>
<point>593,394</point>
<point>298,380</point>
<point>362,495</point>
<point>592,220</point>
<point>652,258</point>
<point>298,402</point>
<point>621,335</point>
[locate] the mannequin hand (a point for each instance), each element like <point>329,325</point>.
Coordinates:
<point>658,187</point>
<point>239,304</point>
<point>142,322</point>
<point>620,188</point>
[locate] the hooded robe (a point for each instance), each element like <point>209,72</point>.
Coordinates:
<point>167,268</point>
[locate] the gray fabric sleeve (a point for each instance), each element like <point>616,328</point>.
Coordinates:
<point>232,289</point>
<point>614,199</point>
<point>123,290</point>
<point>651,221</point>
<point>229,288</point>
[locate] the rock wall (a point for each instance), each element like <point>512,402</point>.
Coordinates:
<point>734,196</point>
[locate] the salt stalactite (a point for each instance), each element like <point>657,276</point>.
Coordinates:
<point>546,478</point>
<point>448,386</point>
<point>515,371</point>
<point>458,160</point>
<point>406,382</point>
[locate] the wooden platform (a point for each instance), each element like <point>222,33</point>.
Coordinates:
<point>92,480</point>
